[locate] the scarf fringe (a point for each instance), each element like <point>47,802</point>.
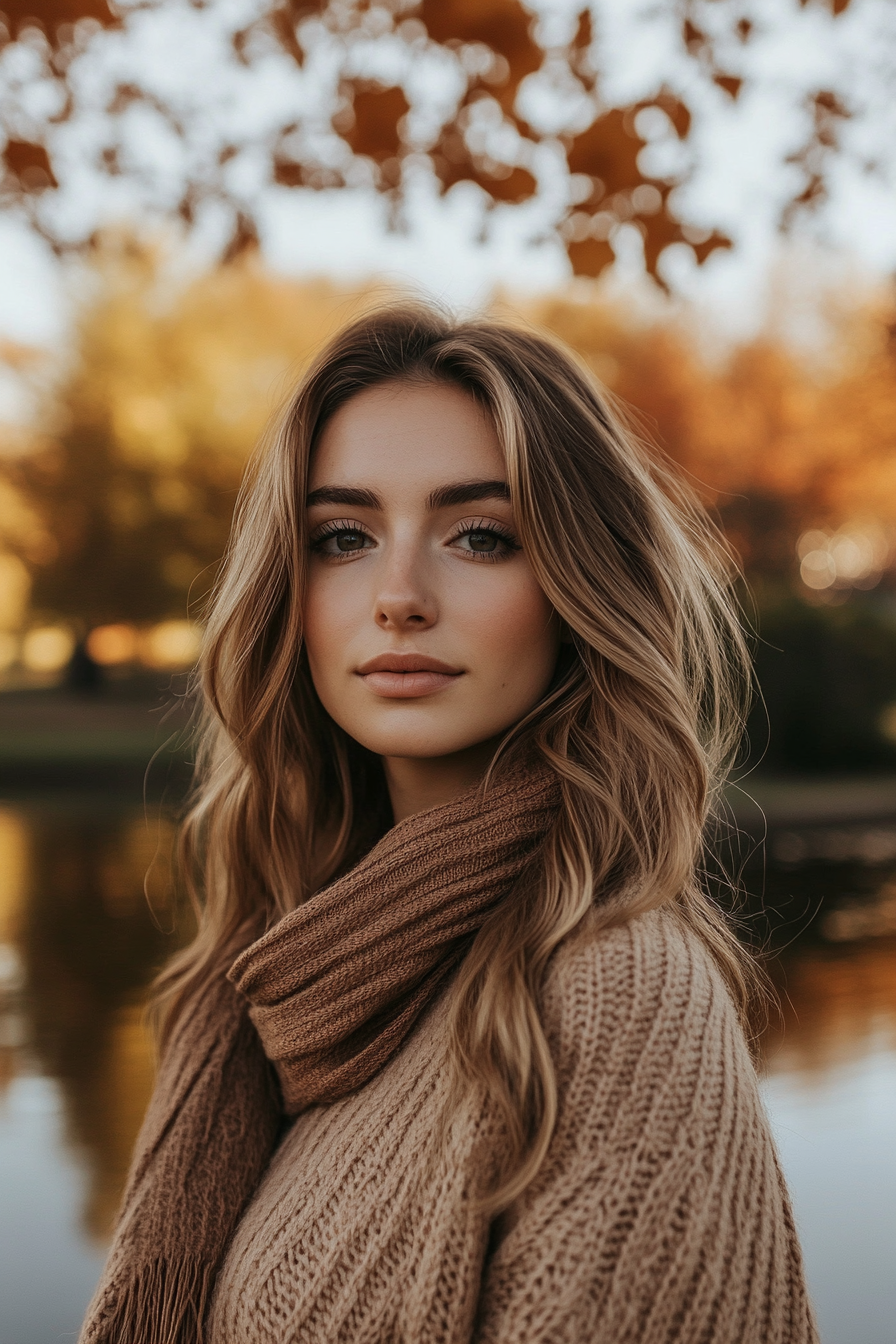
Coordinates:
<point>160,1303</point>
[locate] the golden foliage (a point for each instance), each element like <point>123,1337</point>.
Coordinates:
<point>168,386</point>
<point>183,373</point>
<point>810,436</point>
<point>496,46</point>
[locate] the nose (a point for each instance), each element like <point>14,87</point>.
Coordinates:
<point>404,600</point>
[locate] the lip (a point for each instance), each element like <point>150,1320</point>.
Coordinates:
<point>406,676</point>
<point>407,662</point>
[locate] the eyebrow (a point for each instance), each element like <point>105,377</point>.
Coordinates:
<point>446,496</point>
<point>344,494</point>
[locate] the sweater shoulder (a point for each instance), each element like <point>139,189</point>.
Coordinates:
<point>639,1226</point>
<point>646,986</point>
<point>638,956</point>
<point>652,938</point>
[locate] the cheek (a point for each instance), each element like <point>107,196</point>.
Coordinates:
<point>330,612</point>
<point>327,620</point>
<point>516,629</point>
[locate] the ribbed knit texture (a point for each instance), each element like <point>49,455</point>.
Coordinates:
<point>333,989</point>
<point>660,1214</point>
<point>335,986</point>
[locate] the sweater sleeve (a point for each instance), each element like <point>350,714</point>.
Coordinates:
<point>660,1214</point>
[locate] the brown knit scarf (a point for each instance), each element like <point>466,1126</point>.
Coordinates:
<point>327,997</point>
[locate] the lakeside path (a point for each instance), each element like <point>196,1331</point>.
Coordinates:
<point>51,738</point>
<point>822,800</point>
<point>107,740</point>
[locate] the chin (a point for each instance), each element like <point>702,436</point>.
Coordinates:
<point>418,744</point>
<point>414,748</point>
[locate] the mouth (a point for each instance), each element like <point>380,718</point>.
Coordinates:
<point>405,676</point>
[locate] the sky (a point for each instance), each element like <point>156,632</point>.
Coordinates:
<point>739,184</point>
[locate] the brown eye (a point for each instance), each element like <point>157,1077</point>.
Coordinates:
<point>350,541</point>
<point>486,542</point>
<point>483,541</point>
<point>338,541</point>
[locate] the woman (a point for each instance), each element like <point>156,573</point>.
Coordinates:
<point>456,1052</point>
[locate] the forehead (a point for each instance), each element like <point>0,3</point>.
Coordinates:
<point>406,434</point>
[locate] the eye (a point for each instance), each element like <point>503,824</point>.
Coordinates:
<point>349,541</point>
<point>482,541</point>
<point>340,539</point>
<point>485,541</point>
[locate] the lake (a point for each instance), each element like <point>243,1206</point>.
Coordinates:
<point>80,937</point>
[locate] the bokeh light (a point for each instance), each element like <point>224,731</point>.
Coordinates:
<point>887,722</point>
<point>48,648</point>
<point>9,650</point>
<point>171,645</point>
<point>854,556</point>
<point>112,645</point>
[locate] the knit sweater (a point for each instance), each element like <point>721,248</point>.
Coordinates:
<point>659,1215</point>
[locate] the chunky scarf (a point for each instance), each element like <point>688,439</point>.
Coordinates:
<point>326,997</point>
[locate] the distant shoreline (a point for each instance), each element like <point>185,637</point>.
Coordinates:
<point>131,740</point>
<point>811,800</point>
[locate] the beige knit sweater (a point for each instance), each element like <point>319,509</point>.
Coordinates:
<point>660,1214</point>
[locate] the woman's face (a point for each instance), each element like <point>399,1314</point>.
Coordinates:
<point>425,629</point>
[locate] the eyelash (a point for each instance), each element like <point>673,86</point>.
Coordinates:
<point>488,528</point>
<point>333,529</point>
<point>481,525</point>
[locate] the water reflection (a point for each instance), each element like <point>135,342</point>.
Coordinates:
<point>831,1091</point>
<point>837,1005</point>
<point>78,945</point>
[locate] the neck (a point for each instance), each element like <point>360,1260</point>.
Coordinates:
<point>417,784</point>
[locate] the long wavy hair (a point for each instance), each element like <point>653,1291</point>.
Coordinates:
<point>640,723</point>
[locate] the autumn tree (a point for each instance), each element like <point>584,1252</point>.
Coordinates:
<point>520,99</point>
<point>778,439</point>
<point>137,457</point>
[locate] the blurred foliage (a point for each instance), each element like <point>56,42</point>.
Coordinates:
<point>134,476</point>
<point>374,119</point>
<point>778,439</point>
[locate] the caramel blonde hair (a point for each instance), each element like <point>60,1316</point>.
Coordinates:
<point>640,723</point>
